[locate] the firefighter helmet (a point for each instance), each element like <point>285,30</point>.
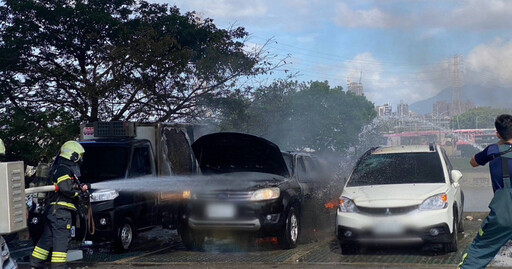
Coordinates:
<point>2,147</point>
<point>72,151</point>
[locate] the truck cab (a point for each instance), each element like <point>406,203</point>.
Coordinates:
<point>138,153</point>
<point>119,215</point>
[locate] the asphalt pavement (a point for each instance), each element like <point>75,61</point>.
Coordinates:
<point>162,249</point>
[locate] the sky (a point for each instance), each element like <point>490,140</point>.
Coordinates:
<point>398,49</point>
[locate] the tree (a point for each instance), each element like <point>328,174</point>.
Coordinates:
<point>299,116</point>
<point>115,60</point>
<point>28,141</point>
<point>480,117</point>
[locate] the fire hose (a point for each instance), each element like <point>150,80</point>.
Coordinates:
<point>91,226</point>
<point>32,190</point>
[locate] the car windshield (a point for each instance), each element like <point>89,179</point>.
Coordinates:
<point>402,168</point>
<point>104,163</point>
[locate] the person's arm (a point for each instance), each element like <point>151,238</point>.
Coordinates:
<point>473,162</point>
<point>66,184</point>
<point>481,158</point>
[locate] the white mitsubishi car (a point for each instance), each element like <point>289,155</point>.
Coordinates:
<point>401,194</point>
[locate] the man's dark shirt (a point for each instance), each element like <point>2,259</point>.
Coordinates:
<point>495,165</point>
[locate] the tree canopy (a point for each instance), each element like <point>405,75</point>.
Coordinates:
<point>299,116</point>
<point>63,62</point>
<point>478,118</point>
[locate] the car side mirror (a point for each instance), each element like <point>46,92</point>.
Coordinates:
<point>456,175</point>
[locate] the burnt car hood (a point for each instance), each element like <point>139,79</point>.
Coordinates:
<point>221,153</point>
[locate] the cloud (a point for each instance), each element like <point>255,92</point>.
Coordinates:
<point>362,18</point>
<point>482,15</point>
<point>382,85</point>
<point>308,38</point>
<point>435,16</point>
<point>225,9</point>
<point>491,63</point>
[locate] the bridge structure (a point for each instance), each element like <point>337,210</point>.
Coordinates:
<point>456,142</point>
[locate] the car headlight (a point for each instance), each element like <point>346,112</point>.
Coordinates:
<point>265,194</point>
<point>104,195</point>
<point>186,194</point>
<point>347,205</point>
<point>438,201</point>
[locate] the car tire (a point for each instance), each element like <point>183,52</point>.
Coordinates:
<point>349,248</point>
<point>192,240</point>
<point>460,225</point>
<point>289,234</point>
<point>125,235</point>
<point>452,245</point>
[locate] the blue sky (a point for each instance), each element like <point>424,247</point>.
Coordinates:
<point>404,49</point>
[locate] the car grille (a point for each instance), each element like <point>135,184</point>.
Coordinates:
<point>386,211</point>
<point>225,196</point>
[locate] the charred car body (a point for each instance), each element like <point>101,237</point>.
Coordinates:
<point>247,190</point>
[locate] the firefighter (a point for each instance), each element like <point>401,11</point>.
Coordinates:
<point>496,230</point>
<point>56,232</point>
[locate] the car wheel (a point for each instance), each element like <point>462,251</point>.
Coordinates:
<point>125,235</point>
<point>460,223</point>
<point>452,245</point>
<point>349,248</point>
<point>460,227</point>
<point>192,240</point>
<point>289,235</point>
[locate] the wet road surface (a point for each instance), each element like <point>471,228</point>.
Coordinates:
<point>162,249</point>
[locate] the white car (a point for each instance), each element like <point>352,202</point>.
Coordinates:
<point>401,194</point>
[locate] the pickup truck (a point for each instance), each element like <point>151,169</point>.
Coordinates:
<point>124,150</point>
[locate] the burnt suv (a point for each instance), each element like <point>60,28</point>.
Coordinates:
<point>247,191</point>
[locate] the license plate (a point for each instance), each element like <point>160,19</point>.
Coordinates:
<point>220,210</point>
<point>388,228</point>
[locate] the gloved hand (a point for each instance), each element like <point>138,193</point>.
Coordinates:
<point>83,197</point>
<point>84,187</point>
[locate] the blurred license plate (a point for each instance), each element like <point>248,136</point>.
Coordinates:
<point>388,228</point>
<point>220,210</point>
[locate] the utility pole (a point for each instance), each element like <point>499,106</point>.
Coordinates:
<point>456,108</point>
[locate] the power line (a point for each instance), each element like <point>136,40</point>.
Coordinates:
<point>331,55</point>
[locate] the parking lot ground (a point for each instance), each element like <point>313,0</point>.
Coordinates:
<point>162,249</point>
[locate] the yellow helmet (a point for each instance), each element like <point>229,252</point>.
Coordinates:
<point>2,147</point>
<point>72,151</point>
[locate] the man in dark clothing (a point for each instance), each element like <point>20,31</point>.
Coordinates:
<point>60,204</point>
<point>496,230</point>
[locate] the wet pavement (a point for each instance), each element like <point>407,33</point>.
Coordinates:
<point>162,248</point>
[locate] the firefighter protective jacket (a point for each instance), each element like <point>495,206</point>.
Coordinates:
<point>65,178</point>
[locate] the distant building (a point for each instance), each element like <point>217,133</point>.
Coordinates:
<point>356,88</point>
<point>468,105</point>
<point>402,109</point>
<point>384,110</point>
<point>441,109</point>
<point>444,109</point>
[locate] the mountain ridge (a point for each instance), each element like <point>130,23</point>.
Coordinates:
<point>480,95</point>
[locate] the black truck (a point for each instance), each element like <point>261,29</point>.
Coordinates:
<point>136,152</point>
